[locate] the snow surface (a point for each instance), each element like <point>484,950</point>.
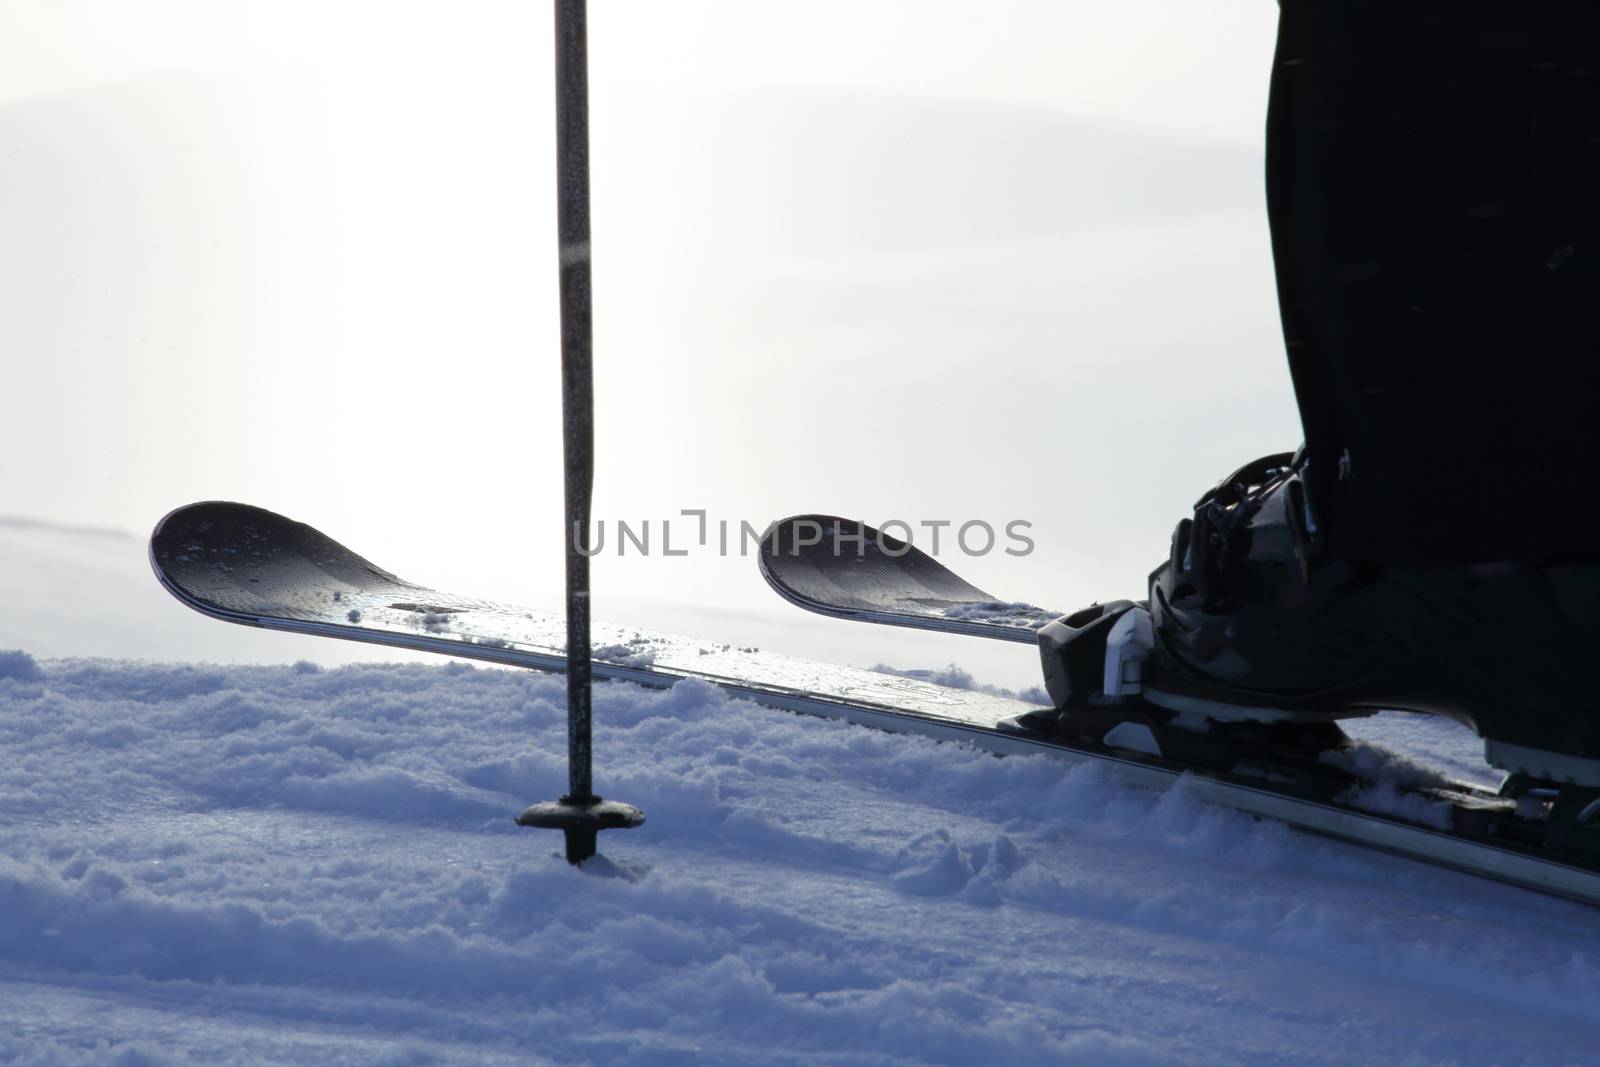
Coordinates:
<point>293,864</point>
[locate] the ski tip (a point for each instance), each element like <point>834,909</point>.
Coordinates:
<point>815,534</point>
<point>208,552</point>
<point>848,570</point>
<point>206,513</point>
<point>207,523</point>
<point>797,550</point>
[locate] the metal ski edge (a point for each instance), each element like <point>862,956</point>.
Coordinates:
<point>935,624</point>
<point>1366,829</point>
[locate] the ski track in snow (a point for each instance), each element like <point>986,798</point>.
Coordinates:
<point>263,865</point>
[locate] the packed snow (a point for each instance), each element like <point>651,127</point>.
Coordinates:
<point>294,864</point>
<point>998,613</point>
<point>952,676</point>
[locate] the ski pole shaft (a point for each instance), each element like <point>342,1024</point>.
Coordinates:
<point>577,372</point>
<point>580,815</point>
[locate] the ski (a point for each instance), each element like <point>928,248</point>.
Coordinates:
<point>848,570</point>
<point>249,566</point>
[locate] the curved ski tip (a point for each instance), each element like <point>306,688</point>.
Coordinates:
<point>821,558</point>
<point>814,533</point>
<point>194,542</point>
<point>179,538</point>
<point>211,511</point>
<point>801,537</point>
<point>203,521</point>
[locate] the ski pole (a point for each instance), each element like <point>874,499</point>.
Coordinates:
<point>580,814</point>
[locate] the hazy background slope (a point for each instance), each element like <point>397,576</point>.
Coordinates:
<point>934,263</point>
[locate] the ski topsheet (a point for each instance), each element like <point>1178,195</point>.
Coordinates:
<point>246,565</point>
<point>849,570</point>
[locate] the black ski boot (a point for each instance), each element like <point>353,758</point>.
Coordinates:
<point>1253,614</point>
<point>1252,620</point>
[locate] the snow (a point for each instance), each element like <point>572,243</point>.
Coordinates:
<point>1388,772</point>
<point>1017,614</point>
<point>952,676</point>
<point>635,653</point>
<point>273,864</point>
<point>309,863</point>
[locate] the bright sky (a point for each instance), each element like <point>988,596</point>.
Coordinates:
<point>930,261</point>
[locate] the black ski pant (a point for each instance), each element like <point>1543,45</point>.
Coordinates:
<point>1433,187</point>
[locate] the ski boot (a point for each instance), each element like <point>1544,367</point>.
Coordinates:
<point>1256,636</point>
